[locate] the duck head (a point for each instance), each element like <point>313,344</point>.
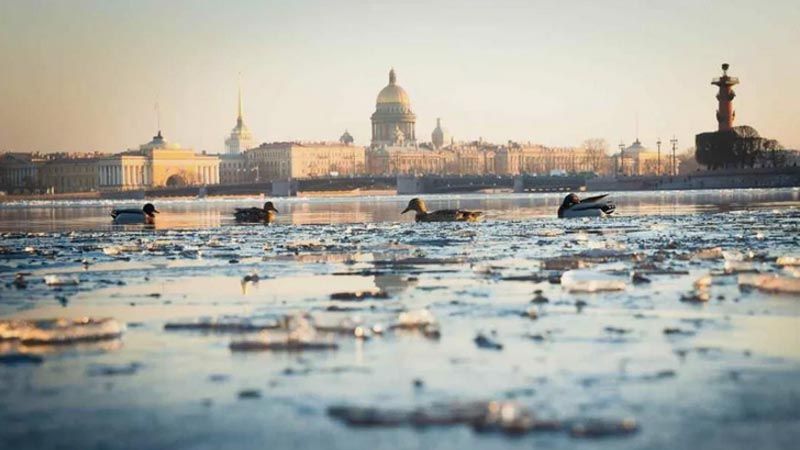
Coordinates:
<point>570,200</point>
<point>416,204</point>
<point>150,210</point>
<point>270,207</point>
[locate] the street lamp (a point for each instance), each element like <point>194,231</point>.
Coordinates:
<point>674,146</point>
<point>658,167</point>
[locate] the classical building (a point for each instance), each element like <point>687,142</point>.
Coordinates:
<point>156,164</point>
<point>234,169</point>
<point>396,160</point>
<point>515,159</point>
<point>474,158</point>
<point>283,160</point>
<point>241,138</point>
<point>637,160</point>
<point>63,174</point>
<point>19,172</point>
<point>393,120</point>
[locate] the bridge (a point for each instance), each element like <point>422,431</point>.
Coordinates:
<point>403,184</point>
<point>533,183</point>
<point>441,184</point>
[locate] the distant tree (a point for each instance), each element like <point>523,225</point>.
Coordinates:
<point>774,155</point>
<point>738,147</point>
<point>687,163</point>
<point>596,154</point>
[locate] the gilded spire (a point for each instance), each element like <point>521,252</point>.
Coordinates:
<point>240,103</point>
<point>392,76</point>
<point>239,119</point>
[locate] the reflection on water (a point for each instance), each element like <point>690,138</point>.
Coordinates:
<point>207,213</point>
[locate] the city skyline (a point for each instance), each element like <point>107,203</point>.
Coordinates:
<point>86,75</point>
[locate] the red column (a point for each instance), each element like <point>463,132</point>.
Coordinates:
<point>725,96</point>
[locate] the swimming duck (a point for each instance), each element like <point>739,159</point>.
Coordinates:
<point>573,206</point>
<point>266,214</point>
<point>146,215</point>
<point>442,215</point>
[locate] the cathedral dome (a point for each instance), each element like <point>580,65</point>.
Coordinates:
<point>158,142</point>
<point>393,93</point>
<point>636,148</point>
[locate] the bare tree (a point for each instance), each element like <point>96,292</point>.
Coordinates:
<point>596,150</point>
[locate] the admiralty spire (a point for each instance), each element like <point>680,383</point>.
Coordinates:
<point>241,138</point>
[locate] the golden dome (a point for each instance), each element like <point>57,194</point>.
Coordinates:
<point>393,93</point>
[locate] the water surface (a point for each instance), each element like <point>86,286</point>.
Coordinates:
<point>719,374</point>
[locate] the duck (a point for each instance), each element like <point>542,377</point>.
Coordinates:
<point>442,215</point>
<point>266,214</point>
<point>146,215</point>
<point>595,206</point>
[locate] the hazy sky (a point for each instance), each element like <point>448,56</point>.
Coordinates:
<point>85,75</point>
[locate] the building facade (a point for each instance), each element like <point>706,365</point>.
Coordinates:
<point>64,175</point>
<point>515,159</point>
<point>157,164</point>
<point>234,169</point>
<point>475,158</point>
<point>638,160</point>
<point>283,160</point>
<point>394,160</point>
<point>19,172</point>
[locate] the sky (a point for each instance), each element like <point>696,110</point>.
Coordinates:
<point>85,75</point>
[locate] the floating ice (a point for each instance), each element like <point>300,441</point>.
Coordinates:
<point>564,263</point>
<point>224,324</point>
<point>114,250</point>
<point>704,282</point>
<point>415,319</point>
<point>300,335</point>
<point>421,320</point>
<point>265,344</point>
<point>595,428</point>
<point>57,280</point>
<point>358,296</point>
<point>495,416</point>
<point>549,232</point>
<point>505,416</point>
<point>591,281</point>
<point>60,331</point>
<point>709,253</point>
<point>771,283</point>
<point>739,266</point>
<point>788,260</point>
